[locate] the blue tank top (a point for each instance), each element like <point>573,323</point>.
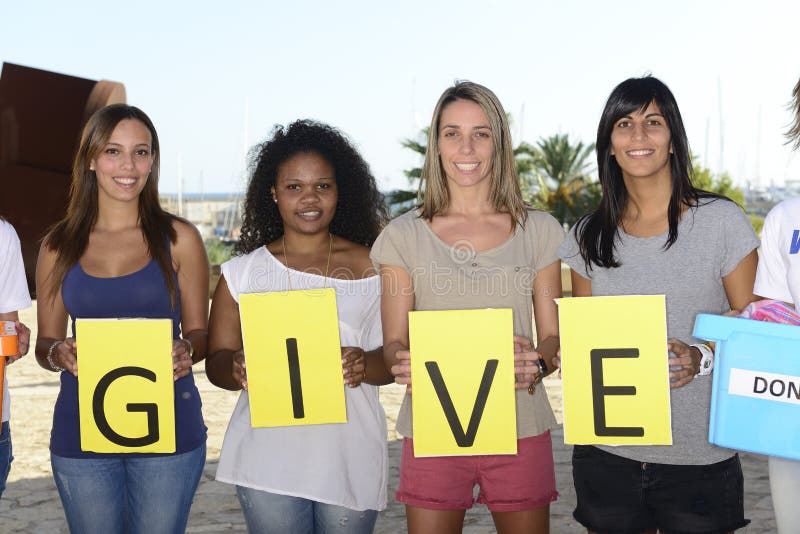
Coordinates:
<point>142,294</point>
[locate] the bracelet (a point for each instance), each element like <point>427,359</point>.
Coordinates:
<point>706,359</point>
<point>50,352</point>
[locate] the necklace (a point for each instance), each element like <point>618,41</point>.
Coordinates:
<point>286,258</point>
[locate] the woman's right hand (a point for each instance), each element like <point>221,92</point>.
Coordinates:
<point>402,369</point>
<point>239,369</point>
<point>65,354</point>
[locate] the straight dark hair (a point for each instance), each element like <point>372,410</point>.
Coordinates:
<point>70,236</point>
<point>598,231</point>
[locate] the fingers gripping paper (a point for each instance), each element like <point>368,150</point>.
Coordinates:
<point>614,370</point>
<point>125,390</point>
<point>462,369</point>
<point>293,357</point>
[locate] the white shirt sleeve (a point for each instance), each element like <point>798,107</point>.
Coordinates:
<point>772,276</point>
<point>13,286</point>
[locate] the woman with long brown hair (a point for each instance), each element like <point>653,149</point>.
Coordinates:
<point>115,254</point>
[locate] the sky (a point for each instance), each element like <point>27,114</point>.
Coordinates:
<point>215,77</point>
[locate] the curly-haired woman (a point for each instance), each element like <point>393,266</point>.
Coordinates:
<point>311,212</point>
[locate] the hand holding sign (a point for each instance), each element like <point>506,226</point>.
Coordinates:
<point>354,366</point>
<point>239,368</point>
<point>526,366</point>
<point>181,358</point>
<point>65,355</point>
<point>402,369</point>
<point>684,363</point>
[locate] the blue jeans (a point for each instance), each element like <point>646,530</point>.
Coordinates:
<point>128,494</point>
<point>5,455</point>
<point>270,513</point>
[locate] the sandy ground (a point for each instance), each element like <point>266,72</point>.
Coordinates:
<point>31,504</point>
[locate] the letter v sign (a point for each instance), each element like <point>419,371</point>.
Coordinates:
<point>463,439</point>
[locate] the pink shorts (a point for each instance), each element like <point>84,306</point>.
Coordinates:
<point>508,482</point>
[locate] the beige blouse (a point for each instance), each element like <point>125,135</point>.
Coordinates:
<point>460,278</point>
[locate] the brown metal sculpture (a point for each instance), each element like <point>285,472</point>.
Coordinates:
<point>41,117</point>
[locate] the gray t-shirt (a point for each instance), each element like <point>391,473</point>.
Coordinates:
<point>448,278</point>
<point>712,239</point>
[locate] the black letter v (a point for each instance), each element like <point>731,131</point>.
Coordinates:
<point>463,439</point>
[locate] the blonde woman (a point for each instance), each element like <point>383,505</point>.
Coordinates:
<point>473,222</point>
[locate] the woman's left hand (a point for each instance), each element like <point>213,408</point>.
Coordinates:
<point>684,363</point>
<point>181,358</point>
<point>23,340</point>
<point>354,366</point>
<point>526,363</point>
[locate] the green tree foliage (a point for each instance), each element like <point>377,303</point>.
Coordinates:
<point>555,176</point>
<point>218,252</point>
<point>716,183</point>
<point>723,185</point>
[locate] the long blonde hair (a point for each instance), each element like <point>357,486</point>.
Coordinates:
<point>793,135</point>
<point>504,191</point>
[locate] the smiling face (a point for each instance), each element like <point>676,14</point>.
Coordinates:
<point>123,164</point>
<point>466,146</point>
<point>306,193</point>
<point>641,143</point>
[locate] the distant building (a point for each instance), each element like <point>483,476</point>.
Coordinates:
<point>214,214</point>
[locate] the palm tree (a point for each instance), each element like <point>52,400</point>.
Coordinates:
<point>401,200</point>
<point>557,178</point>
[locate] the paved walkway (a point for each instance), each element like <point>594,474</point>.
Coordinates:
<point>31,505</point>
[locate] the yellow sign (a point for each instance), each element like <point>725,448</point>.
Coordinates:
<point>294,357</point>
<point>125,387</point>
<point>614,370</point>
<point>462,369</point>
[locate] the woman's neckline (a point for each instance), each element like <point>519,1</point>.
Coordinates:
<point>451,248</point>
<point>137,271</point>
<point>271,256</point>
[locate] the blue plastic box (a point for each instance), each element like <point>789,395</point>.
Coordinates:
<point>755,400</point>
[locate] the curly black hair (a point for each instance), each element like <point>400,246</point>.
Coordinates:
<point>360,210</point>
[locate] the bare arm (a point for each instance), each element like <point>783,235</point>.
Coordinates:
<point>225,366</point>
<point>739,283</point>
<point>581,287</point>
<point>547,288</point>
<point>397,299</point>
<point>189,255</point>
<point>51,319</point>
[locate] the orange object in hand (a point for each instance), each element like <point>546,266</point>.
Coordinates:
<point>9,342</point>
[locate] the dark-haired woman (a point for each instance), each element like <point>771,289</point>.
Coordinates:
<point>312,210</point>
<point>116,254</point>
<point>654,233</point>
